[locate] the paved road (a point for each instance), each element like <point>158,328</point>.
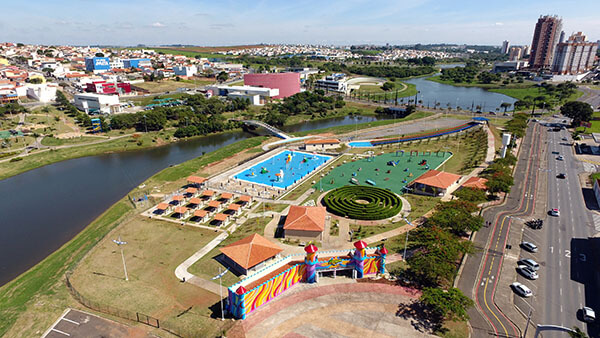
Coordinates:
<point>567,281</point>
<point>482,269</point>
<point>590,96</point>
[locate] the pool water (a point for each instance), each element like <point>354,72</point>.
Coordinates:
<point>301,165</point>
<point>360,144</point>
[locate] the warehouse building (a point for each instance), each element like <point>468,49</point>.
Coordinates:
<point>288,84</point>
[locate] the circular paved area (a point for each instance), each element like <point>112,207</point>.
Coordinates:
<point>340,310</point>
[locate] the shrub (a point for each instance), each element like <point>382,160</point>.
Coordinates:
<point>378,203</point>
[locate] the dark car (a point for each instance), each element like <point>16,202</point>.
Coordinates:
<point>561,175</point>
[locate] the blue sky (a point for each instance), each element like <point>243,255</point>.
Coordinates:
<point>227,22</point>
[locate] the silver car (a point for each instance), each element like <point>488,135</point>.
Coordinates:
<point>529,246</point>
<point>533,265</point>
<point>528,272</point>
<point>589,315</point>
<point>521,289</point>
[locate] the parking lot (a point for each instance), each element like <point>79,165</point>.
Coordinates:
<point>76,323</point>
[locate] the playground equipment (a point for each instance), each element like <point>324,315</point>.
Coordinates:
<point>371,182</point>
<point>279,175</point>
<point>263,170</point>
<point>354,181</point>
<point>423,162</point>
<point>310,273</point>
<point>416,152</point>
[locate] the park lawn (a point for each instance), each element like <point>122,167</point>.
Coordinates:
<point>9,122</point>
<point>146,100</point>
<point>374,92</point>
<point>188,53</point>
<point>364,231</point>
<point>454,329</point>
<point>13,143</point>
<point>54,122</point>
<point>53,141</point>
<point>594,129</point>
<point>208,267</point>
<point>154,249</point>
<point>275,207</point>
<point>532,91</point>
<point>164,85</point>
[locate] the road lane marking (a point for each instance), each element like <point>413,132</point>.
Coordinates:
<point>561,291</point>
<point>61,332</point>
<point>71,321</point>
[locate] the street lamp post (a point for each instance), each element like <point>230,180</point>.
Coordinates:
<point>120,243</point>
<point>220,276</point>
<point>145,126</point>
<point>406,240</point>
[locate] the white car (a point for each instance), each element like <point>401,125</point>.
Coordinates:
<point>589,315</point>
<point>528,272</point>
<point>529,247</point>
<point>560,158</point>
<point>555,212</point>
<point>521,289</point>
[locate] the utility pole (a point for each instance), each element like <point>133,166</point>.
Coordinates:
<point>527,325</point>
<point>145,126</point>
<point>120,243</point>
<point>220,276</point>
<point>406,240</point>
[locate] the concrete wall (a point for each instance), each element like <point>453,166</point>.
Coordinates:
<point>303,235</point>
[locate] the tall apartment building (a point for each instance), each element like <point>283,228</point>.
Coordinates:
<point>574,56</point>
<point>526,51</point>
<point>505,47</point>
<point>545,38</point>
<point>515,53</point>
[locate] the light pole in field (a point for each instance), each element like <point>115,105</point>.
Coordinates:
<point>120,243</point>
<point>220,276</point>
<point>406,240</point>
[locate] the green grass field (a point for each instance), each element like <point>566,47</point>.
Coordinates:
<point>188,53</point>
<point>377,170</point>
<point>437,78</point>
<point>521,93</point>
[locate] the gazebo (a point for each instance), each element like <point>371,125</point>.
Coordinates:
<point>194,202</point>
<point>181,212</point>
<point>244,199</point>
<point>208,194</point>
<point>197,181</point>
<point>226,196</point>
<point>191,192</point>
<point>177,199</point>
<point>233,208</point>
<point>199,215</point>
<point>214,204</point>
<point>162,208</point>
<point>220,218</point>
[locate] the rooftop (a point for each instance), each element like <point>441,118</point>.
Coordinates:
<point>438,179</point>
<point>305,218</point>
<point>250,251</point>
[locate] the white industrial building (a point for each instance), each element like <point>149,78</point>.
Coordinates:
<point>257,95</point>
<point>116,63</point>
<point>44,92</point>
<point>575,56</point>
<point>97,103</point>
<point>333,83</point>
<point>185,70</point>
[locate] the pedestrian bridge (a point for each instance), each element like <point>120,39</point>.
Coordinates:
<point>268,127</point>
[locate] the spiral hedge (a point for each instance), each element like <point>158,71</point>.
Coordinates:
<point>380,203</point>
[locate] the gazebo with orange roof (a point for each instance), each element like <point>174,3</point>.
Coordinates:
<point>208,194</point>
<point>191,192</point>
<point>181,211</point>
<point>226,196</point>
<point>200,214</point>
<point>220,218</point>
<point>196,180</point>
<point>434,183</point>
<point>475,183</point>
<point>195,201</point>
<point>245,199</point>
<point>234,207</point>
<point>177,199</point>
<point>305,222</point>
<point>161,208</point>
<point>249,253</point>
<point>214,204</point>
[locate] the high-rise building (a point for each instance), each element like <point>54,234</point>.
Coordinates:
<point>526,50</point>
<point>574,56</point>
<point>562,37</point>
<point>515,53</point>
<point>545,38</point>
<point>505,47</point>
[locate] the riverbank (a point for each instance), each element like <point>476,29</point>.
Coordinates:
<point>526,84</point>
<point>33,300</point>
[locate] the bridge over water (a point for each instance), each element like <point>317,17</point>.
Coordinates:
<point>271,129</point>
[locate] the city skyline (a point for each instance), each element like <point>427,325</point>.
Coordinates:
<point>304,22</point>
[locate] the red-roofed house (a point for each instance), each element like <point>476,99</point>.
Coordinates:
<point>434,183</point>
<point>249,253</point>
<point>305,222</point>
<point>475,183</point>
<point>313,145</point>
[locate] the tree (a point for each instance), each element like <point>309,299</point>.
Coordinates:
<point>388,86</point>
<point>505,105</point>
<point>223,76</point>
<point>499,182</point>
<point>99,55</point>
<point>578,111</point>
<point>577,333</point>
<point>471,195</point>
<point>35,80</point>
<point>456,216</point>
<point>449,304</point>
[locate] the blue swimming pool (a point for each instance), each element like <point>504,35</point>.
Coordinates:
<point>300,165</point>
<point>360,144</point>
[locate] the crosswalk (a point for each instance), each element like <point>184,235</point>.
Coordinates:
<point>596,219</point>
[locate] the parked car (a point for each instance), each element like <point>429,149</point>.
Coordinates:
<point>589,315</point>
<point>529,246</point>
<point>560,158</point>
<point>528,272</point>
<point>555,212</point>
<point>561,175</point>
<point>530,263</point>
<point>521,289</point>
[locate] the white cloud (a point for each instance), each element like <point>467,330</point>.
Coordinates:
<point>158,24</point>
<point>499,24</point>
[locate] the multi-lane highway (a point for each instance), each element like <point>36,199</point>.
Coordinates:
<point>520,203</point>
<point>566,273</point>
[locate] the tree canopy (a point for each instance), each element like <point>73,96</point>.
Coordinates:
<point>449,304</point>
<point>578,111</point>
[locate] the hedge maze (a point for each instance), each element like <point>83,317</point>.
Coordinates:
<point>362,202</point>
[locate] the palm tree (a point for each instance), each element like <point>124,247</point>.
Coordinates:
<point>505,105</point>
<point>577,333</point>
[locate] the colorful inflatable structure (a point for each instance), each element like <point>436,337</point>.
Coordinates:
<point>363,261</point>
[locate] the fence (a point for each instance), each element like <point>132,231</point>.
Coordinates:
<point>130,315</point>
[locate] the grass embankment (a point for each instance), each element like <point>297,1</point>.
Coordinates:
<point>437,78</point>
<point>351,127</point>
<point>31,302</point>
<point>53,141</point>
<point>45,157</point>
<point>208,267</point>
<point>521,93</point>
<point>188,53</point>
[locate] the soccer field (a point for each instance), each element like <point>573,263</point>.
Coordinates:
<point>379,170</point>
